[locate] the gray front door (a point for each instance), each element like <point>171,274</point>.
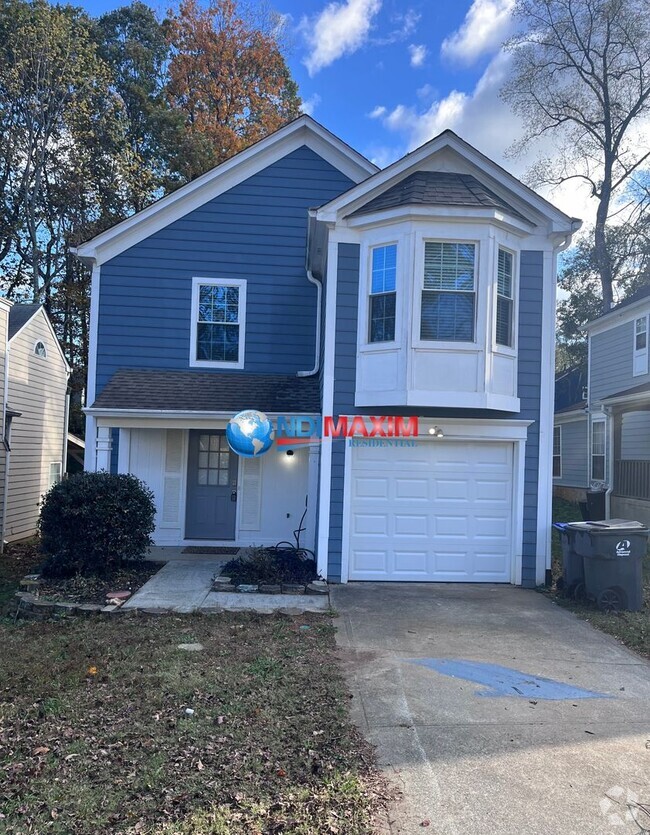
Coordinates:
<point>211,487</point>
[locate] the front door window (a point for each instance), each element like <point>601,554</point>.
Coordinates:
<point>214,460</point>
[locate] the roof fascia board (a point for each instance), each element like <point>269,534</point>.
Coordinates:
<point>614,318</point>
<point>571,417</point>
<point>303,131</point>
<point>52,334</point>
<point>364,192</point>
<point>175,413</point>
<point>622,399</point>
<point>460,213</point>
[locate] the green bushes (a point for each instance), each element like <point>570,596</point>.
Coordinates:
<point>91,523</point>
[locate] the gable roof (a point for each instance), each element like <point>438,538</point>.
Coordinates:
<point>496,177</point>
<point>437,188</point>
<point>302,131</point>
<point>207,391</point>
<point>19,315</point>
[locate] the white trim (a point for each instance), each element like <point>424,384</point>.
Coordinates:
<point>327,406</point>
<point>436,214</point>
<point>302,131</point>
<point>574,416</point>
<point>124,451</point>
<point>93,328</point>
<point>599,419</point>
<point>637,398</point>
<point>461,429</point>
<point>197,283</point>
<point>546,418</point>
<point>363,193</point>
<point>90,451</point>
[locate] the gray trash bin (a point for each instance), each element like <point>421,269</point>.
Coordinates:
<point>613,552</point>
<point>573,572</point>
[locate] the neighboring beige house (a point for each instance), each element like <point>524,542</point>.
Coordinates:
<point>34,416</point>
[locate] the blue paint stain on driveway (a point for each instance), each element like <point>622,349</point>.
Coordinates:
<point>503,681</point>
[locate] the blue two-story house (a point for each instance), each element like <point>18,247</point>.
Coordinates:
<point>602,436</point>
<point>298,279</point>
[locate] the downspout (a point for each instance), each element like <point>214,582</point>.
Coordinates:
<point>319,301</point>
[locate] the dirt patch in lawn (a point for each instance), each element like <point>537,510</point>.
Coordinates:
<point>631,628</point>
<point>109,727</point>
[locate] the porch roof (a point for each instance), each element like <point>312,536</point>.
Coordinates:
<point>199,391</point>
<point>635,394</point>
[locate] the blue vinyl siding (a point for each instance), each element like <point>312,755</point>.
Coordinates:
<point>256,231</point>
<point>529,376</point>
<point>612,354</point>
<point>575,462</point>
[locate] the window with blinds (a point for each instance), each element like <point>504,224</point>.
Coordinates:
<point>505,299</point>
<point>448,292</point>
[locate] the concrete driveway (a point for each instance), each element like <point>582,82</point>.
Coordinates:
<point>450,682</point>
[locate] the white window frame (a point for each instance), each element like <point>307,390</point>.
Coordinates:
<point>639,355</point>
<point>441,344</point>
<point>370,294</point>
<point>36,344</point>
<point>198,282</point>
<point>595,423</point>
<point>51,483</point>
<point>496,346</point>
<point>557,429</point>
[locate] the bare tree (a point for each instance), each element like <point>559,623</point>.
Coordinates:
<point>581,75</point>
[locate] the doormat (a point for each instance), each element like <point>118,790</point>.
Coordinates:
<point>200,549</point>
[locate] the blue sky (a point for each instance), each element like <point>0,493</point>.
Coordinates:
<point>387,75</point>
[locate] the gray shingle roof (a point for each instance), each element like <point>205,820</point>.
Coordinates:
<point>19,315</point>
<point>208,391</point>
<point>438,188</point>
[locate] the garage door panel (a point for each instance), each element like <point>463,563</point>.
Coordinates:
<point>448,521</point>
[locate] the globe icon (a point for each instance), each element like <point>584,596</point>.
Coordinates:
<point>249,433</point>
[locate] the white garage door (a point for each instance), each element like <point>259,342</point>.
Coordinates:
<point>441,510</point>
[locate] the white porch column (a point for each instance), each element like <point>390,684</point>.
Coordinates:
<point>90,451</point>
<point>104,445</point>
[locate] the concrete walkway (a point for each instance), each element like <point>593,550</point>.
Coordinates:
<point>565,757</point>
<point>183,585</point>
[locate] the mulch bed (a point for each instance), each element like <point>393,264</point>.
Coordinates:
<point>94,589</point>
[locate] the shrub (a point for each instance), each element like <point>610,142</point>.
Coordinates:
<point>271,565</point>
<point>90,523</point>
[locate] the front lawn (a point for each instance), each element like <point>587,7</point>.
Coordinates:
<point>106,726</point>
<point>631,628</point>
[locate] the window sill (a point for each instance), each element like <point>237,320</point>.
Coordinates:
<point>380,347</point>
<point>215,364</point>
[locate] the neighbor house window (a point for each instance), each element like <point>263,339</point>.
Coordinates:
<point>55,473</point>
<point>505,296</point>
<point>383,280</point>
<point>598,451</point>
<point>218,317</point>
<point>640,359</point>
<point>448,292</point>
<point>40,350</point>
<point>557,452</point>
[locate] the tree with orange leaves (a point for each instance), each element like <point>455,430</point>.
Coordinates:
<point>229,78</point>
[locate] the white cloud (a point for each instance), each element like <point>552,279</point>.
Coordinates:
<point>340,29</point>
<point>487,24</point>
<point>418,53</point>
<point>309,105</point>
<point>377,112</point>
<point>481,118</point>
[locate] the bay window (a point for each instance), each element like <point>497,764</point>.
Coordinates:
<point>505,299</point>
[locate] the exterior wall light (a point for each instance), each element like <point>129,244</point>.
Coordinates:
<point>437,432</point>
<point>289,452</point>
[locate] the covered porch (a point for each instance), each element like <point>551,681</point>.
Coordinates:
<point>158,426</point>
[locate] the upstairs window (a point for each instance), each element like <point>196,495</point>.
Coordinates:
<point>505,302</point>
<point>383,282</point>
<point>40,350</point>
<point>640,359</point>
<point>557,452</point>
<point>448,292</point>
<point>598,451</point>
<point>218,316</point>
